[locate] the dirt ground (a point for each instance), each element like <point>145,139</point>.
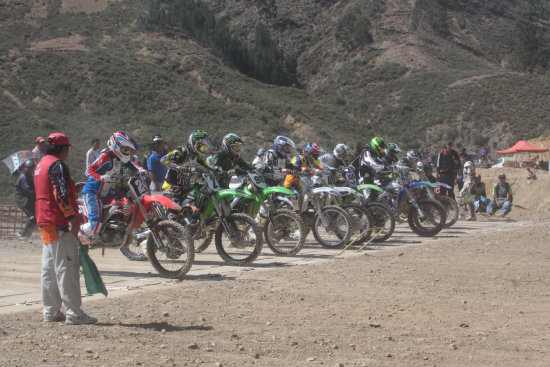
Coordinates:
<point>476,295</point>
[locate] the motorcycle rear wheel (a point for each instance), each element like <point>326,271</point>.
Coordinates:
<point>338,231</point>
<point>178,254</point>
<point>433,220</point>
<point>290,237</point>
<point>247,240</point>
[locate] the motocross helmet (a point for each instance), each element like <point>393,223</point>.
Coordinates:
<point>312,151</point>
<point>284,146</point>
<point>378,145</point>
<point>122,145</point>
<point>343,152</point>
<point>392,151</point>
<point>469,168</point>
<point>200,143</point>
<point>420,165</point>
<point>261,151</point>
<point>477,177</point>
<point>413,155</point>
<point>232,144</point>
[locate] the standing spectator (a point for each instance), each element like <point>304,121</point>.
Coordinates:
<point>25,198</point>
<point>260,157</point>
<point>92,154</point>
<point>157,170</point>
<point>463,159</point>
<point>502,197</point>
<point>57,218</point>
<point>39,149</point>
<point>448,163</point>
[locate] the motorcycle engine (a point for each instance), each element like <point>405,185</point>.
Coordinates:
<point>113,232</point>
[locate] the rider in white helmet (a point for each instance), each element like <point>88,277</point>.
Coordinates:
<point>465,197</point>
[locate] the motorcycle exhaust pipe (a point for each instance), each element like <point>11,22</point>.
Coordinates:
<point>141,235</point>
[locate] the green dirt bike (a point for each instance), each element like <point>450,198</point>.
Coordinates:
<point>433,191</point>
<point>353,194</point>
<point>283,228</point>
<point>207,213</point>
<point>331,225</point>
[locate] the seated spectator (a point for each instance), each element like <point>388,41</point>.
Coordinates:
<point>530,175</point>
<point>480,196</point>
<point>502,197</point>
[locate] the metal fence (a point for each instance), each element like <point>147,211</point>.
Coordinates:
<point>12,219</point>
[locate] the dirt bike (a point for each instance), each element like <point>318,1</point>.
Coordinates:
<point>331,225</point>
<point>207,213</point>
<point>426,217</point>
<point>283,228</point>
<point>353,193</point>
<point>169,245</point>
<point>433,191</point>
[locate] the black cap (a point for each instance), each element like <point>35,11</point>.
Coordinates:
<point>502,175</point>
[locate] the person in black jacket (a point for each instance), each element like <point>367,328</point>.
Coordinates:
<point>448,164</point>
<point>25,197</point>
<point>228,159</point>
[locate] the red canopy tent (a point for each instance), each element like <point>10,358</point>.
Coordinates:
<point>522,147</point>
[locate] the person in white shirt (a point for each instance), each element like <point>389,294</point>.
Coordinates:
<point>92,154</point>
<point>260,157</point>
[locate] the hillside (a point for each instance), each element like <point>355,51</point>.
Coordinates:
<point>88,68</point>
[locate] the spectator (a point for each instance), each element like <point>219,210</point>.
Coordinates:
<point>480,196</point>
<point>25,198</point>
<point>57,218</point>
<point>157,170</point>
<point>92,154</point>
<point>460,179</point>
<point>448,163</point>
<point>502,197</point>
<point>260,157</point>
<point>39,149</point>
<point>530,175</point>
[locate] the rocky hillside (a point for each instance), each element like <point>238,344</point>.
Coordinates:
<point>416,72</point>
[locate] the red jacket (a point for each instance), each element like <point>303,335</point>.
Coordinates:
<point>55,201</point>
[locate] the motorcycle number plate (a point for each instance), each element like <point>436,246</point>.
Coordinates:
<point>139,186</point>
<point>258,180</point>
<point>350,176</point>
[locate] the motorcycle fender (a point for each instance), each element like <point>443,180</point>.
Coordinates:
<point>328,190</point>
<point>277,190</point>
<point>369,186</point>
<point>230,194</point>
<point>148,200</point>
<point>347,191</point>
<point>441,184</point>
<point>417,185</point>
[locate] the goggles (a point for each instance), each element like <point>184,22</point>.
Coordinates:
<point>126,150</point>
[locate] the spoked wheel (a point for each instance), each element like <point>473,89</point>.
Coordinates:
<point>451,210</point>
<point>285,236</point>
<point>382,220</point>
<point>336,232</point>
<point>245,243</point>
<point>176,255</point>
<point>136,250</point>
<point>203,240</point>
<point>361,222</point>
<point>431,222</point>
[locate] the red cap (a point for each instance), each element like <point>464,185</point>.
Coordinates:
<point>59,139</point>
<point>40,139</point>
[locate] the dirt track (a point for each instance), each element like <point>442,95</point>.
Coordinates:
<point>477,295</point>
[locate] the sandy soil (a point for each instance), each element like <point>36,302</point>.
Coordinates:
<point>476,295</point>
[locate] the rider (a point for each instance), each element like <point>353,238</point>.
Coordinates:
<point>228,158</point>
<point>392,151</point>
<point>278,158</point>
<point>260,156</point>
<point>194,152</point>
<point>339,158</point>
<point>464,196</point>
<point>308,159</point>
<point>372,161</point>
<point>120,149</point>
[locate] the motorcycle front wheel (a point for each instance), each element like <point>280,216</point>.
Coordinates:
<point>431,222</point>
<point>451,210</point>
<point>177,253</point>
<point>361,222</point>
<point>285,236</point>
<point>135,251</point>
<point>337,231</point>
<point>245,243</point>
<point>383,220</point>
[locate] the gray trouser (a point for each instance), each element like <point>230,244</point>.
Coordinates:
<point>61,276</point>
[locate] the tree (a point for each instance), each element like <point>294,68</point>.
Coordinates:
<point>430,14</point>
<point>353,30</point>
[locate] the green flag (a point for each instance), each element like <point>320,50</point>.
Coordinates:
<point>94,283</point>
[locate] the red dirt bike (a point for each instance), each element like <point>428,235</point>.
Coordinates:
<point>136,214</point>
